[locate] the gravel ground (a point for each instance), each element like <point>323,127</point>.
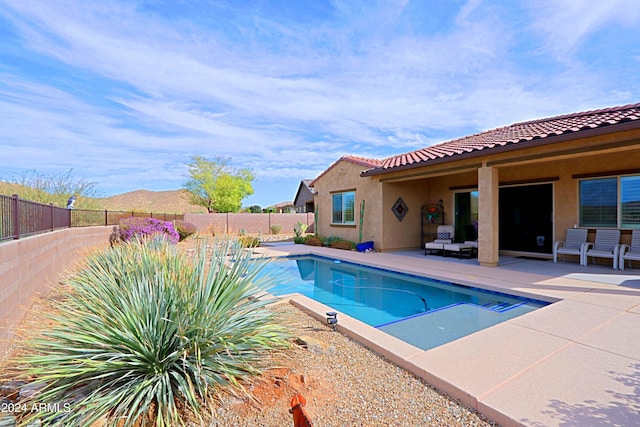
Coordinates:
<point>344,384</point>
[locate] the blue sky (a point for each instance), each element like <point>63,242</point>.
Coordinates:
<point>123,93</point>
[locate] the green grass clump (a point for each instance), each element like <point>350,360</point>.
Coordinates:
<point>146,333</point>
<point>249,241</point>
<point>330,240</point>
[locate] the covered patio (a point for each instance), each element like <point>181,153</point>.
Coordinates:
<point>574,362</point>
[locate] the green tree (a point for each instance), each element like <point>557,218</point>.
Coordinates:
<point>255,209</point>
<point>217,186</point>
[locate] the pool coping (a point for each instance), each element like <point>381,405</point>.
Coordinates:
<point>549,367</point>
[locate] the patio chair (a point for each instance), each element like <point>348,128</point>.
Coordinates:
<point>444,236</point>
<point>607,245</point>
<point>574,244</point>
<point>630,252</point>
<point>474,246</point>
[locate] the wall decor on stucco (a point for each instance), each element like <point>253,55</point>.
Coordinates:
<point>400,209</point>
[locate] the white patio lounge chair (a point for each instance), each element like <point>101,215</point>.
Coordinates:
<point>630,252</point>
<point>461,249</point>
<point>574,244</point>
<point>444,236</point>
<point>474,246</point>
<point>607,245</point>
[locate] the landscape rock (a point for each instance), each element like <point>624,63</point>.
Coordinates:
<point>315,345</point>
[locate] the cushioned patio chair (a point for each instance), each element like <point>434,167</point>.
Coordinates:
<point>461,249</point>
<point>574,244</point>
<point>444,236</point>
<point>474,246</point>
<point>630,252</point>
<point>607,245</point>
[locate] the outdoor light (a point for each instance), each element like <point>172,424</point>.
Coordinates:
<point>332,319</point>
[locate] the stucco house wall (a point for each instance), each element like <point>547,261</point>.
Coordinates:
<point>342,176</point>
<point>406,234</point>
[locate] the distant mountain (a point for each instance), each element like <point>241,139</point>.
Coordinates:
<point>172,201</point>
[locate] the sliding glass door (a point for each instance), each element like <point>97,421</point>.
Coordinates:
<point>526,218</point>
<point>466,216</point>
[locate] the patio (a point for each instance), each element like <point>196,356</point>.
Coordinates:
<point>575,362</point>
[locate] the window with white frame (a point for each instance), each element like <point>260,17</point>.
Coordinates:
<point>343,208</point>
<point>610,202</point>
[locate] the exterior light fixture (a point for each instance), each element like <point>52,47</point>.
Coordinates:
<point>332,319</point>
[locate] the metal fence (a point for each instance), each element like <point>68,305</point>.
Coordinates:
<point>85,218</point>
<point>22,218</point>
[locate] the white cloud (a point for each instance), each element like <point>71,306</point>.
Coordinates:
<point>568,24</point>
<point>287,96</point>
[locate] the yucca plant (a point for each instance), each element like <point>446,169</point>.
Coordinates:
<point>146,332</point>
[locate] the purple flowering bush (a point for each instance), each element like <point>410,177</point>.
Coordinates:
<point>137,227</point>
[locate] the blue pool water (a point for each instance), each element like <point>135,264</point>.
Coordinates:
<point>421,311</point>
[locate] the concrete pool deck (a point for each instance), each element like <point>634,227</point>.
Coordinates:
<point>575,362</point>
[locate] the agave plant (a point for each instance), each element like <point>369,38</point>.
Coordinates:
<point>146,331</point>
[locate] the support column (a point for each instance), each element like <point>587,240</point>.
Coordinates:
<point>488,208</point>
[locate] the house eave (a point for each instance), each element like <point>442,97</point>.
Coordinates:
<point>483,152</point>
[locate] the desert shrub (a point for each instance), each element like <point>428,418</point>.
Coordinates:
<point>249,241</point>
<point>328,241</point>
<point>275,229</point>
<point>146,333</point>
<point>139,227</point>
<point>314,241</point>
<point>300,228</point>
<point>342,244</point>
<point>185,229</point>
<point>298,239</point>
<point>114,237</point>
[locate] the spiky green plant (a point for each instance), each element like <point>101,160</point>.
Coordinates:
<point>145,331</point>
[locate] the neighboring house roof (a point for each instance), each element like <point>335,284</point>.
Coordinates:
<point>518,135</point>
<point>304,193</point>
<point>283,204</point>
<point>356,160</point>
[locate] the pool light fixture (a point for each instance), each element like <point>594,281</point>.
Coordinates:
<point>332,319</point>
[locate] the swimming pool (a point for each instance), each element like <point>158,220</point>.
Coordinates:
<point>421,311</point>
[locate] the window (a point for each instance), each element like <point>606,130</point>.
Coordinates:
<point>610,202</point>
<point>599,202</point>
<point>630,201</point>
<point>343,208</point>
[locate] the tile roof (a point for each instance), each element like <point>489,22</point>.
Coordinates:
<point>363,161</point>
<point>518,133</point>
<point>357,160</point>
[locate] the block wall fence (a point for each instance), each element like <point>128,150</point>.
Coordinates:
<point>251,223</point>
<point>31,266</point>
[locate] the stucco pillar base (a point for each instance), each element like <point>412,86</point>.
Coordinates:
<point>488,264</point>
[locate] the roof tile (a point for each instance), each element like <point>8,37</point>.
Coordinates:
<point>357,160</point>
<point>514,134</point>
